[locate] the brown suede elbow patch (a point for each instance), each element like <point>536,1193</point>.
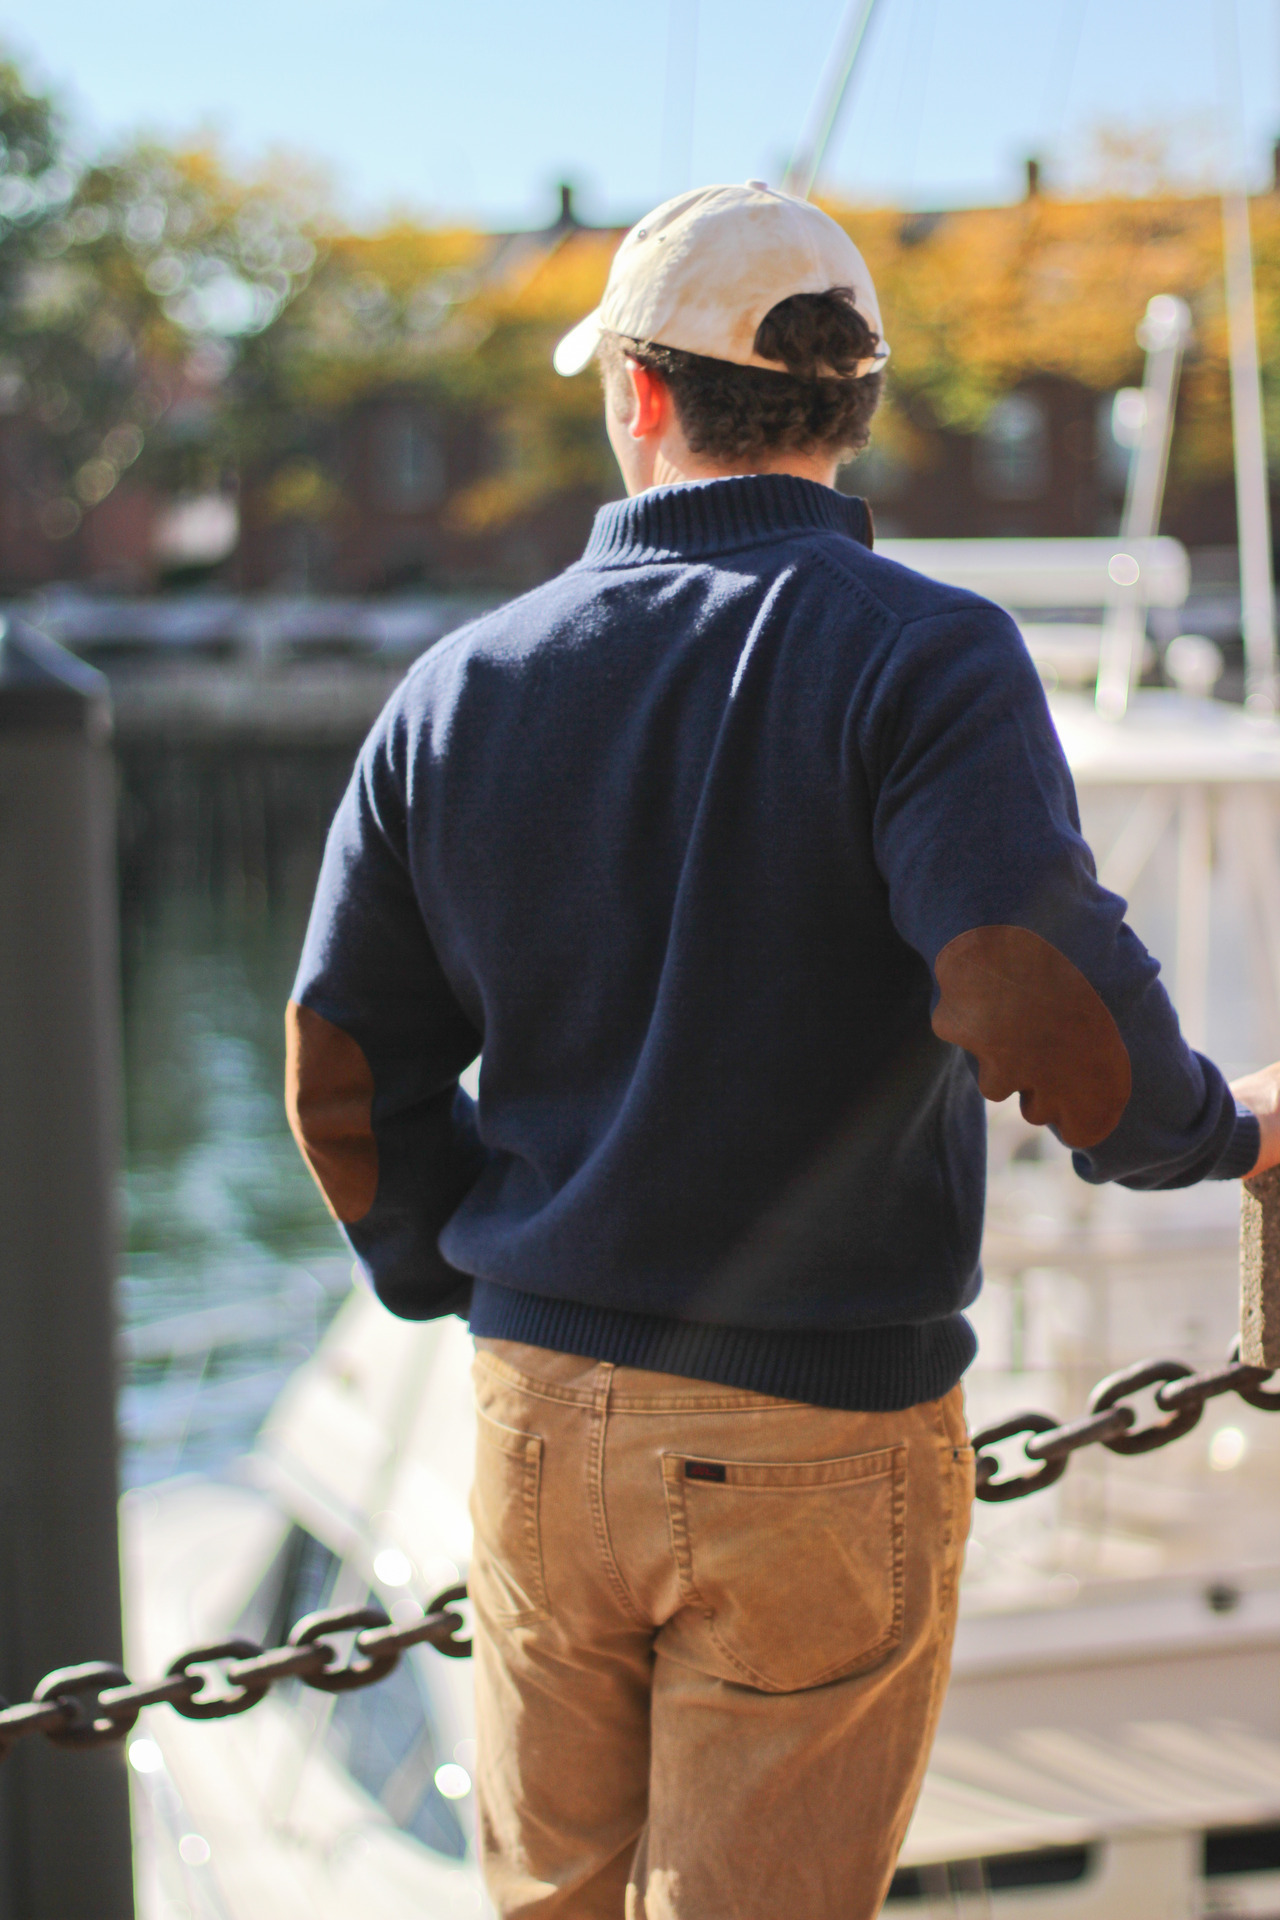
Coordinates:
<point>1036,1028</point>
<point>329,1100</point>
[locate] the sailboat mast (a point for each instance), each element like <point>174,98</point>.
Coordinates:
<point>813,143</point>
<point>1253,507</point>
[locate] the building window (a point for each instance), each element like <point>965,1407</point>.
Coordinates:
<point>1012,454</point>
<point>410,464</point>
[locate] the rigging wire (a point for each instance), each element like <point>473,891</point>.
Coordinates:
<point>926,10</point>
<point>679,97</point>
<point>1062,73</point>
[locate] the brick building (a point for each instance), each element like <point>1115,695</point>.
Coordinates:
<point>368,503</point>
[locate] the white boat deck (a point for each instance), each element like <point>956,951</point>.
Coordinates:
<point>1166,739</point>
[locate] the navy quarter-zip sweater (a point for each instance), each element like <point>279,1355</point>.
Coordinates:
<point>751,861</point>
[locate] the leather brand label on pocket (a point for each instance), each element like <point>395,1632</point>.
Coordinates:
<point>703,1470</point>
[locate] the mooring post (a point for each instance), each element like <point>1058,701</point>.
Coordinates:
<point>1260,1270</point>
<point>65,1851</point>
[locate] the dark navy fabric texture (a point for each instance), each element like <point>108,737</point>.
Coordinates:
<point>677,839</point>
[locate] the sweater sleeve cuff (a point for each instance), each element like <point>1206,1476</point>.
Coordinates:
<point>1242,1148</point>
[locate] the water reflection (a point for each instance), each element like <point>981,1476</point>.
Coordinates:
<point>232,1266</point>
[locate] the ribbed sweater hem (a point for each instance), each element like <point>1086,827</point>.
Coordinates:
<point>871,1370</point>
<point>1242,1149</point>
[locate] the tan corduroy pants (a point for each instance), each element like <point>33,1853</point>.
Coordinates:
<point>713,1632</point>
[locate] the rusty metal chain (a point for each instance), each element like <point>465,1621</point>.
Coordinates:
<point>97,1703</point>
<point>94,1704</point>
<point>1181,1394</point>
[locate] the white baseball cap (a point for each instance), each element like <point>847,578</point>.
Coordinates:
<point>701,272</point>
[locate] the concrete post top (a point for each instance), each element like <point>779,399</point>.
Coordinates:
<point>43,688</point>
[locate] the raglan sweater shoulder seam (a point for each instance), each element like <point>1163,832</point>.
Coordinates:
<point>455,641</point>
<point>954,603</point>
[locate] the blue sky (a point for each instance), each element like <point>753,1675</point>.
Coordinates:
<point>476,110</point>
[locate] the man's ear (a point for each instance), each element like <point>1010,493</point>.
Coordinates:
<point>651,402</point>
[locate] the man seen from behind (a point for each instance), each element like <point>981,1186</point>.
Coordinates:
<point>750,863</point>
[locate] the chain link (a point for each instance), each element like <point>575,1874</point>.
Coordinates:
<point>1180,1395</point>
<point>94,1704</point>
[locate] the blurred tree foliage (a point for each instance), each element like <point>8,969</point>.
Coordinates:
<point>158,304</point>
<point>462,321</point>
<point>69,350</point>
<point>977,303</point>
<point>120,285</point>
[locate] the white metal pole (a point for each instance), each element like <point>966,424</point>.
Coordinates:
<point>1195,899</point>
<point>1163,333</point>
<point>812,145</point>
<point>1253,506</point>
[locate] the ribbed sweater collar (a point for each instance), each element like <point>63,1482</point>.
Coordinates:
<point>707,517</point>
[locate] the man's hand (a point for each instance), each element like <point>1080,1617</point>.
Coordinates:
<point>1260,1092</point>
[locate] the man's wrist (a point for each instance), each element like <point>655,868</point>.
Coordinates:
<point>1259,1093</point>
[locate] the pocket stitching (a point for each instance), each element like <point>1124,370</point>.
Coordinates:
<point>682,1551</point>
<point>527,1447</point>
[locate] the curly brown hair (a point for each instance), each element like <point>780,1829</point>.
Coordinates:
<point>819,404</point>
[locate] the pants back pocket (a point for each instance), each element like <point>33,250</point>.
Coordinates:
<point>792,1571</point>
<point>506,1571</point>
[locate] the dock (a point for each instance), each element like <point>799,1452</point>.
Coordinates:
<point>206,670</point>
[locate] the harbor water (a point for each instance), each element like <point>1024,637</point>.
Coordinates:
<point>232,1267</point>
